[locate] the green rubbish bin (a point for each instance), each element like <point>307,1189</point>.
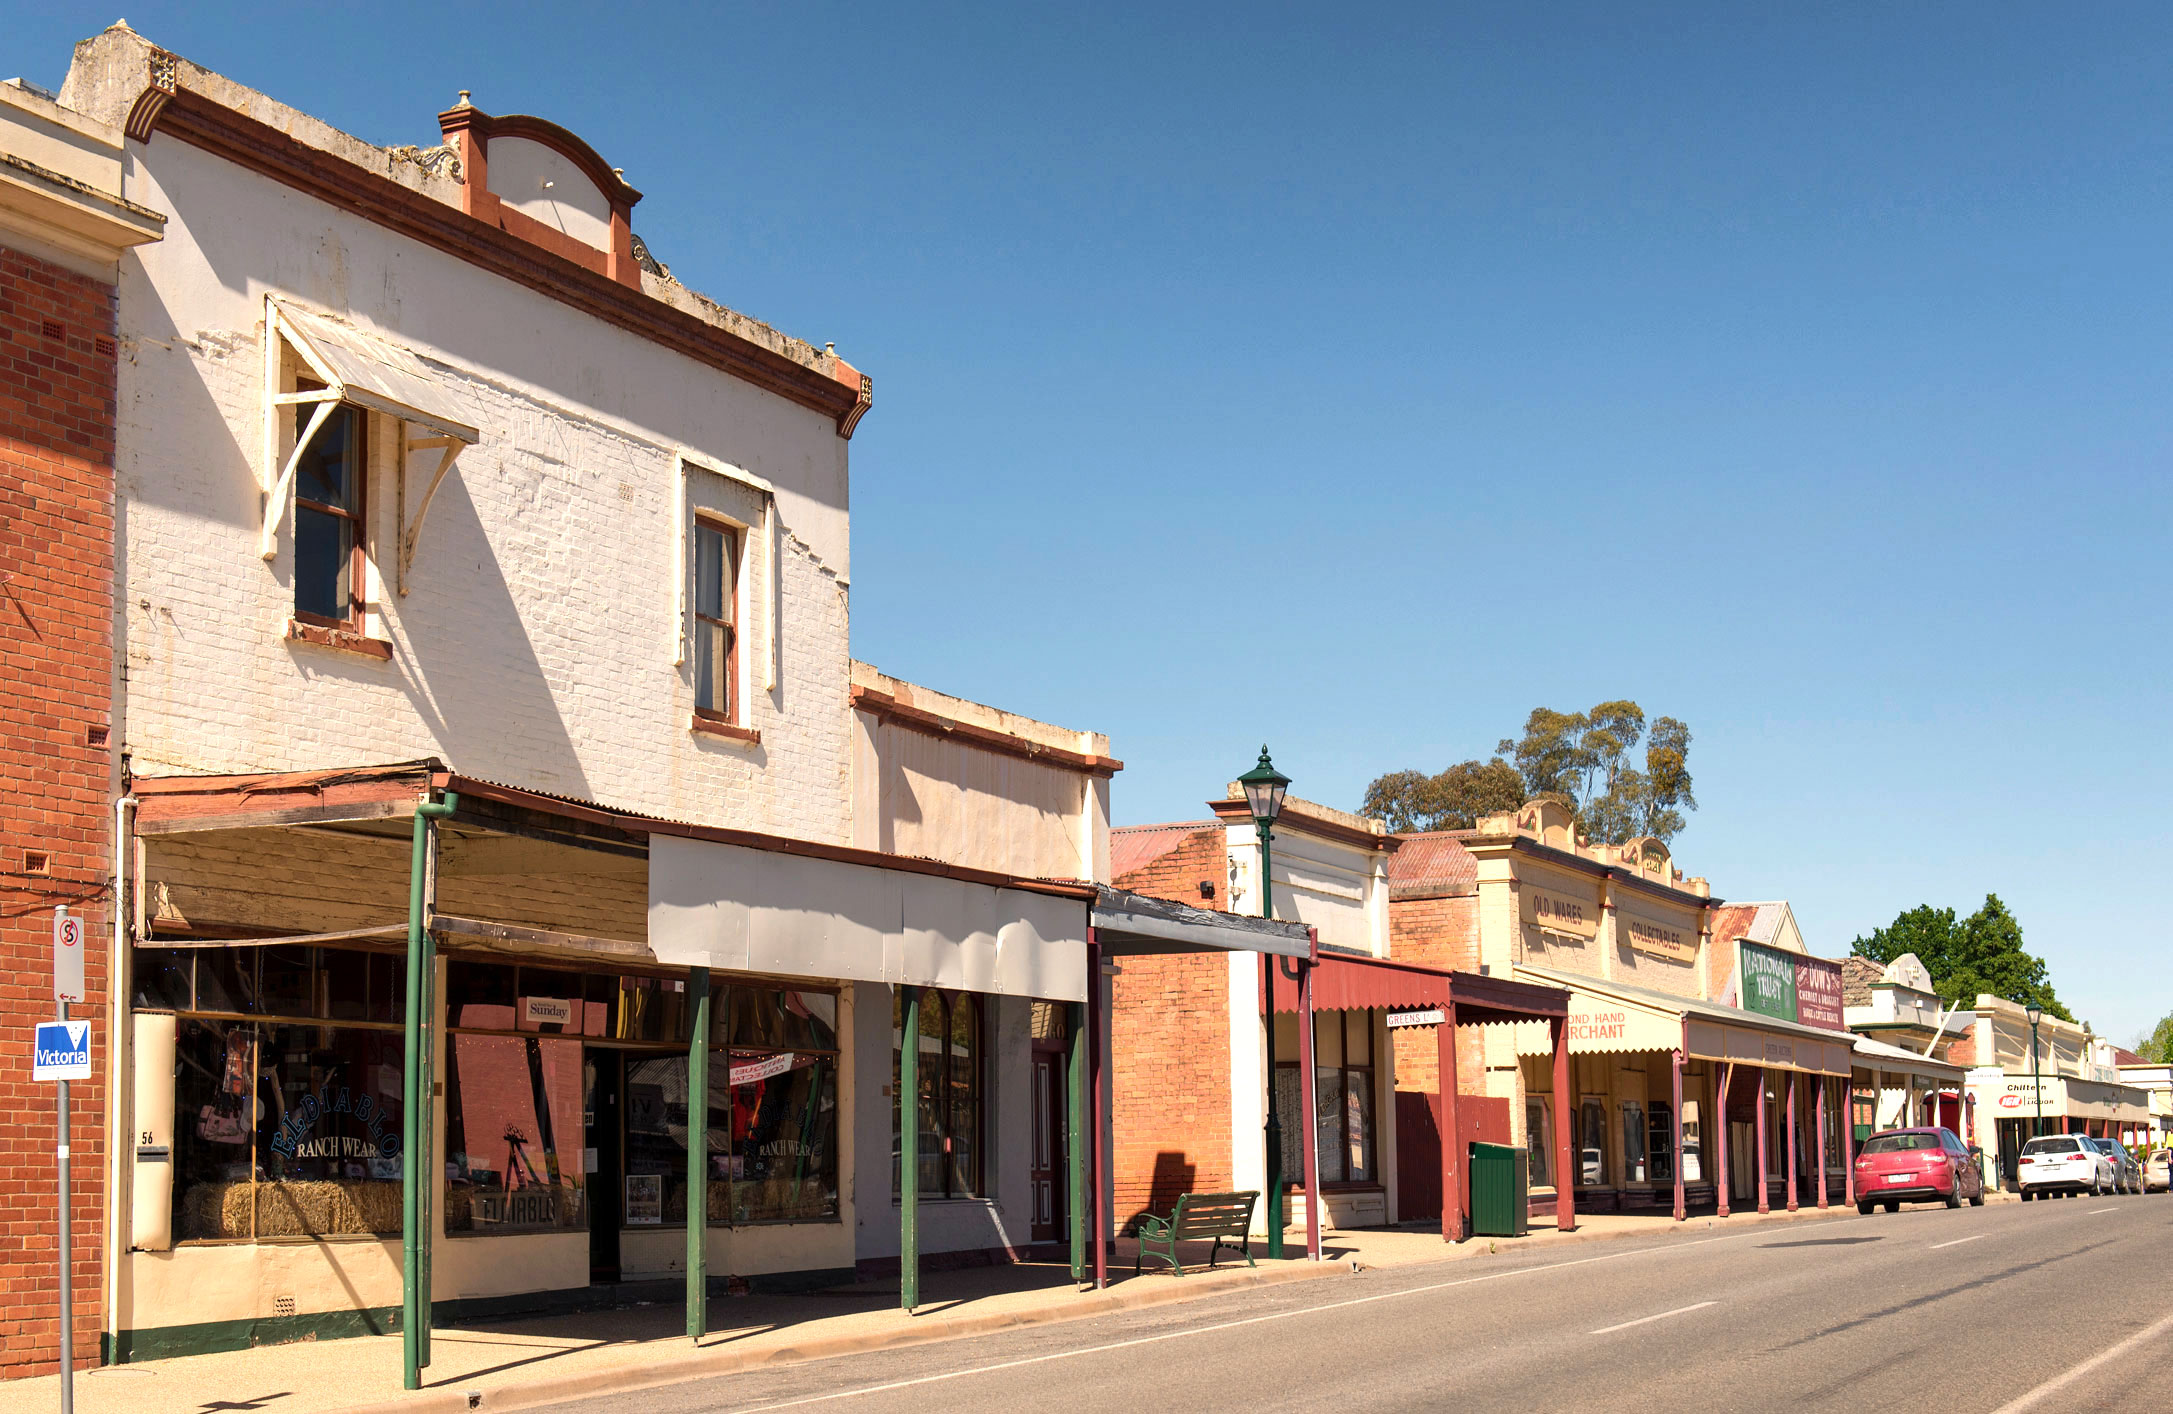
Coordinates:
<point>1501,1190</point>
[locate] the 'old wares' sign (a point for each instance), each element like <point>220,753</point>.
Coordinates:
<point>1559,913</point>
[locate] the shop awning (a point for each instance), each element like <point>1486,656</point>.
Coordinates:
<point>1352,982</point>
<point>1133,925</point>
<point>753,910</point>
<point>1609,1018</point>
<point>1878,1055</point>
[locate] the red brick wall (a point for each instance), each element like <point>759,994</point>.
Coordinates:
<point>56,639</point>
<point>1170,1048</point>
<point>1436,932</point>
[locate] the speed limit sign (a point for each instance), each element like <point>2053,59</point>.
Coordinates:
<point>67,956</point>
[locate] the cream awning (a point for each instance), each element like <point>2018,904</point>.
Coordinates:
<point>1608,1018</point>
<point>757,910</point>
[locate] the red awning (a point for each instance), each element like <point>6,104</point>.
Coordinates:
<point>1352,983</point>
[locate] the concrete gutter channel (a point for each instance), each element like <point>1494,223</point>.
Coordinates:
<point>1132,1296</point>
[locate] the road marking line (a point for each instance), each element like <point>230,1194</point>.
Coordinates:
<point>1233,1325</point>
<point>2075,1372</point>
<point>1648,1320</point>
<point>2095,1211</point>
<point>1958,1241</point>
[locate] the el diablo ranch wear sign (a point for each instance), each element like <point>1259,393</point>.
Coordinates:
<point>1790,987</point>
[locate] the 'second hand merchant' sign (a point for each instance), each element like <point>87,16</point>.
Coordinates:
<point>1790,986</point>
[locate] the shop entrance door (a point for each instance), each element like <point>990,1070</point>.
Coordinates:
<point>1742,1161</point>
<point>603,1079</point>
<point>1046,1173</point>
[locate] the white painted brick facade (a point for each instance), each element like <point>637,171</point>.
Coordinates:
<point>536,644</point>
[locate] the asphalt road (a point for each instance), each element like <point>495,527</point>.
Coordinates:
<point>2061,1306</point>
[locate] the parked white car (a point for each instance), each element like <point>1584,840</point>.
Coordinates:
<point>2158,1171</point>
<point>2063,1164</point>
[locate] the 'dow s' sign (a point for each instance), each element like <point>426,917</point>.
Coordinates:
<point>63,1051</point>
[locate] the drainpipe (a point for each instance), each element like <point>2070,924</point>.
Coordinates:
<point>418,1103</point>
<point>120,1081</point>
<point>698,1156</point>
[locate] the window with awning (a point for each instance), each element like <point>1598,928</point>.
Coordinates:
<point>314,368</point>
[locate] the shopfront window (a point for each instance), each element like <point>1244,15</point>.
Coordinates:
<point>951,1088</point>
<point>1592,1141</point>
<point>1633,1142</point>
<point>285,1125</point>
<point>1693,1156</point>
<point>1660,1141</point>
<point>1344,1127</point>
<point>524,1091</point>
<point>513,1134</point>
<point>1539,1141</point>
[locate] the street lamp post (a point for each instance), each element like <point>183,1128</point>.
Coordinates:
<point>2037,1087</point>
<point>1264,788</point>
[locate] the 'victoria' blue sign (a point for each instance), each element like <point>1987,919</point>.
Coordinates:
<point>63,1051</point>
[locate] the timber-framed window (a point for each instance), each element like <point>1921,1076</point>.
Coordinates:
<point>953,1091</point>
<point>716,621</point>
<point>331,536</point>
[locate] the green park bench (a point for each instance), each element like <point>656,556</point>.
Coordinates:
<point>1198,1216</point>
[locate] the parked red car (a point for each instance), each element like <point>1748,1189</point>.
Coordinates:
<point>1916,1166</point>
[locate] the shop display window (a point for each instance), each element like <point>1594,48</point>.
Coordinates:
<point>1592,1141</point>
<point>513,1135</point>
<point>1634,1169</point>
<point>783,1155</point>
<point>949,1105</point>
<point>1344,1128</point>
<point>1539,1142</point>
<point>1660,1140</point>
<point>284,1126</point>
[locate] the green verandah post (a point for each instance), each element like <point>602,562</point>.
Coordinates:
<point>417,1101</point>
<point>909,1159</point>
<point>698,1156</point>
<point>1075,1140</point>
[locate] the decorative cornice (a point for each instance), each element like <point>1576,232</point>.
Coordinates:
<point>160,86</point>
<point>467,117</point>
<point>885,707</point>
<point>1238,812</point>
<point>242,140</point>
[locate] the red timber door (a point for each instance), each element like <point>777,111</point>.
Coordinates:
<point>1045,1175</point>
<point>1418,1145</point>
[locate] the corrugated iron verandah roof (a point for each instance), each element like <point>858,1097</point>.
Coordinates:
<point>1350,982</point>
<point>177,804</point>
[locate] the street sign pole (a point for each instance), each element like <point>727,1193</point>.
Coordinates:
<point>67,987</point>
<point>67,1280</point>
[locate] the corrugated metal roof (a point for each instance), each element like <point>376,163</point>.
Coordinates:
<point>1136,846</point>
<point>1432,861</point>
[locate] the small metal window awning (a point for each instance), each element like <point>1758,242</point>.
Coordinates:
<point>365,371</point>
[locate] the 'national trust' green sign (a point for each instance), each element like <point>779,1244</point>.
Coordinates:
<point>1769,982</point>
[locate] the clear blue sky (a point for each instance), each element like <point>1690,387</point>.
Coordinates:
<point>1356,384</point>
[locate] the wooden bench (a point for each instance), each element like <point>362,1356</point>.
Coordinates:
<point>1221,1216</point>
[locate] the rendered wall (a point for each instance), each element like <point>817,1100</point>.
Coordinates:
<point>536,644</point>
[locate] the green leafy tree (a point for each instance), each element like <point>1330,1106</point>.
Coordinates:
<point>1982,953</point>
<point>1452,800</point>
<point>1585,759</point>
<point>2157,1047</point>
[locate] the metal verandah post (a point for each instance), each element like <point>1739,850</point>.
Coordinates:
<point>417,1102</point>
<point>1825,1085</point>
<point>1765,1196</point>
<point>1098,1082</point>
<point>1308,1087</point>
<point>1724,1081</point>
<point>1565,1185</point>
<point>1848,1137</point>
<point>1676,1087</point>
<point>1795,1152</point>
<point>1076,1140</point>
<point>1453,1207</point>
<point>698,1156</point>
<point>909,1155</point>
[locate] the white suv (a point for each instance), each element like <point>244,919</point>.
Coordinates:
<point>2063,1164</point>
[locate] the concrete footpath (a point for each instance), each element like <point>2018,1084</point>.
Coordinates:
<point>522,1364</point>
